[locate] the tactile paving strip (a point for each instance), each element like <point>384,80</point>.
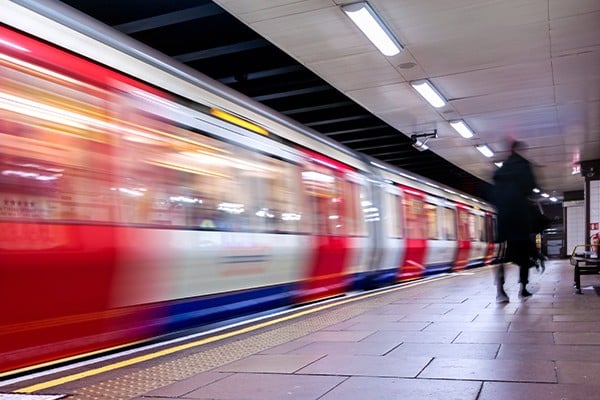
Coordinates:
<point>137,383</point>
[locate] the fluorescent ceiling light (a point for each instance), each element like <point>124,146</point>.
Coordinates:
<point>545,195</point>
<point>373,27</point>
<point>462,128</point>
<point>430,94</point>
<point>499,164</point>
<point>536,190</point>
<point>485,150</point>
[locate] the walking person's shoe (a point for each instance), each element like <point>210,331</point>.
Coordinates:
<point>502,297</point>
<point>524,292</point>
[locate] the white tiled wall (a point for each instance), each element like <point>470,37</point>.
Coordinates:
<point>594,206</point>
<point>575,224</point>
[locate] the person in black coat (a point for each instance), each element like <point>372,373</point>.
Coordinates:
<point>513,184</point>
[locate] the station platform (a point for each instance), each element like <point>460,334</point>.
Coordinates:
<point>440,338</point>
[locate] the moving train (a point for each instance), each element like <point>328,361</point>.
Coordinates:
<point>139,197</point>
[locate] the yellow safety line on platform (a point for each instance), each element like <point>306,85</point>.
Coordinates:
<point>175,349</point>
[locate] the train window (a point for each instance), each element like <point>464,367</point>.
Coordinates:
<point>75,152</point>
<point>481,228</point>
<point>463,224</point>
<point>167,175</point>
<point>472,227</point>
<point>393,215</point>
<point>390,213</point>
<point>323,188</point>
<point>430,212</point>
<point>449,223</point>
<point>363,205</point>
<point>413,206</point>
<point>355,223</point>
<point>278,207</point>
<point>490,228</point>
<point>475,227</point>
<point>54,148</point>
<point>399,217</point>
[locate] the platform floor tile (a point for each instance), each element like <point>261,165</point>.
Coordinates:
<point>579,372</point>
<point>271,363</point>
<point>506,337</point>
<point>491,370</point>
<point>446,350</point>
<point>534,391</point>
<point>404,389</point>
<point>398,337</point>
<point>332,348</point>
<point>549,352</point>
<point>246,386</point>
<point>579,338</point>
<point>367,366</point>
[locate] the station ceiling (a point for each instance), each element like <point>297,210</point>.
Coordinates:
<point>523,69</point>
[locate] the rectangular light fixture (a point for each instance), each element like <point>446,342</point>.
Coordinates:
<point>462,128</point>
<point>485,150</point>
<point>429,92</point>
<point>367,20</point>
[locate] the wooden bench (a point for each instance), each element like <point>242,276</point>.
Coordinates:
<point>586,262</point>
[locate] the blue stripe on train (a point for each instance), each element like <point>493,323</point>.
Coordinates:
<point>211,309</point>
<point>476,263</point>
<point>372,279</point>
<point>215,308</point>
<point>437,269</point>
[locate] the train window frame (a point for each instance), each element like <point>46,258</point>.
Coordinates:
<point>432,230</point>
<point>412,205</point>
<point>326,198</point>
<point>393,216</point>
<point>463,224</point>
<point>355,224</point>
<point>447,233</point>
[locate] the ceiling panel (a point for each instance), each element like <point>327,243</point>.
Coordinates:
<point>562,8</point>
<point>506,100</point>
<point>588,90</point>
<point>506,78</point>
<point>582,67</point>
<point>488,49</point>
<point>357,71</point>
<point>575,34</point>
<point>314,35</point>
<point>264,10</point>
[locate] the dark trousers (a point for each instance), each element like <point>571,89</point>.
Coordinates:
<point>516,251</point>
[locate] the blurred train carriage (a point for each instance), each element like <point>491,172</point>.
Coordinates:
<point>133,207</point>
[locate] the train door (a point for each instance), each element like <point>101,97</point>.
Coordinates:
<point>412,266</point>
<point>359,212</point>
<point>441,238</point>
<point>479,247</point>
<point>464,243</point>
<point>323,180</point>
<point>490,237</point>
<point>392,242</point>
